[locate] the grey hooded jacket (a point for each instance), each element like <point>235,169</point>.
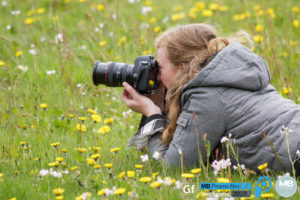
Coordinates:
<point>231,95</point>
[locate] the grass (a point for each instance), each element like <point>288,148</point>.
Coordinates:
<point>107,31</point>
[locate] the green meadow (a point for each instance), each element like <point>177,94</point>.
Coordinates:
<point>61,137</point>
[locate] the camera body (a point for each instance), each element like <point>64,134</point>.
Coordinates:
<point>142,75</point>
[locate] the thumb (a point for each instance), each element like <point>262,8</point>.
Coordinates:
<point>133,93</point>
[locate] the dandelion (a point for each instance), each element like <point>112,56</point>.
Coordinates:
<point>193,13</point>
<point>187,175</point>
<point>156,184</point>
<point>97,166</point>
<point>102,43</point>
<point>138,166</point>
<point>270,12</point>
<point>259,28</point>
<point>258,38</point>
<point>58,191</point>
<point>70,116</point>
<point>114,150</point>
<point>108,165</point>
<point>145,179</point>
<point>122,174</point>
<point>108,121</point>
<point>55,144</point>
<point>19,53</point>
<point>144,158</point>
<point>122,40</point>
<point>2,63</point>
<point>295,9</point>
<point>119,191</point>
<point>263,166</point>
<point>90,161</point>
<point>293,43</point>
<point>178,16</point>
<point>223,180</point>
<point>59,159</point>
<point>223,8</point>
<point>267,195</point>
<point>104,129</point>
<point>102,192</point>
<point>95,156</point>
<point>81,127</point>
<point>80,150</point>
<point>296,23</point>
<point>200,6</point>
<point>74,168</point>
<point>207,13</point>
<point>196,171</point>
<point>100,7</point>
<point>96,149</point>
<point>82,118</point>
<point>44,106</point>
<point>54,164</point>
<point>156,29</point>
<point>214,6</point>
<point>29,21</point>
<point>40,10</point>
<point>130,174</point>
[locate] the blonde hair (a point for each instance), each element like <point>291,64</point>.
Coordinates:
<point>192,45</point>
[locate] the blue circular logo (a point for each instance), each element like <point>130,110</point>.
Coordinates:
<point>286,186</point>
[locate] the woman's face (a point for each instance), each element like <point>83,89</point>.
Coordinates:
<point>167,70</point>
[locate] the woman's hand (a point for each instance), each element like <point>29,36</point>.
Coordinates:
<point>138,102</point>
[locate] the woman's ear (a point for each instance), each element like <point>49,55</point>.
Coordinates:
<point>182,67</point>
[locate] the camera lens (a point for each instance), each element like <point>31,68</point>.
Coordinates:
<point>112,74</point>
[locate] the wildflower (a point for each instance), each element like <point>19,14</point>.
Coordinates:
<point>92,111</point>
<point>130,174</point>
<point>156,155</point>
<point>122,40</point>
<point>108,121</point>
<point>59,38</point>
<point>29,21</point>
<point>40,10</point>
<point>178,16</point>
<point>258,38</point>
<point>145,179</point>
<point>298,153</point>
<point>70,116</point>
<point>178,185</point>
<point>267,195</point>
<point>55,144</point>
<point>296,23</point>
<point>81,127</point>
<point>295,9</point>
<point>102,43</point>
<point>19,53</point>
<point>193,13</point>
<point>155,184</point>
<point>223,8</point>
<point>101,192</point>
<point>187,175</point>
<point>96,149</point>
<point>138,166</point>
<point>115,149</point>
<point>144,158</point>
<point>200,5</point>
<point>222,180</point>
<point>169,181</point>
<point>104,129</point>
<point>156,29</point>
<point>74,168</point>
<point>23,68</point>
<point>97,166</point>
<point>100,7</point>
<point>224,139</point>
<point>54,164</point>
<point>58,191</point>
<point>270,12</point>
<point>108,165</point>
<point>95,156</point>
<point>121,175</point>
<point>2,63</point>
<point>91,161</point>
<point>146,9</point>
<point>59,159</point>
<point>80,150</point>
<point>287,90</point>
<point>293,43</point>
<point>285,130</point>
<point>196,171</point>
<point>82,118</point>
<point>119,191</point>
<point>263,166</point>
<point>207,13</point>
<point>214,6</point>
<point>32,52</point>
<point>50,72</point>
<point>259,28</point>
<point>44,172</point>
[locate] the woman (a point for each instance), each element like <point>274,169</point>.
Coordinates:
<point>215,87</point>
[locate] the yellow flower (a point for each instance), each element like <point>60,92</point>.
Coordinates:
<point>97,166</point>
<point>196,171</point>
<point>64,150</point>
<point>270,12</point>
<point>80,150</point>
<point>19,53</point>
<point>44,105</point>
<point>222,180</point>
<point>22,143</point>
<point>193,13</point>
<point>119,191</point>
<point>223,8</point>
<point>70,115</point>
<point>177,8</point>
<point>100,7</point>
<point>263,166</point>
<point>200,5</point>
<point>95,156</point>
<point>96,149</point>
<point>259,28</point>
<point>258,38</point>
<point>108,120</point>
<point>145,179</point>
<point>40,10</point>
<point>214,6</point>
<point>92,111</point>
<point>287,90</point>
<point>156,29</point>
<point>54,164</point>
<point>82,118</point>
<point>260,13</point>
<point>152,20</point>
<point>102,191</point>
<point>59,197</point>
<point>102,43</point>
<point>2,63</point>
<point>187,175</point>
<point>58,191</point>
<point>122,40</point>
<point>257,7</point>
<point>154,175</point>
<point>130,174</point>
<point>115,149</point>
<point>81,127</point>
<point>104,129</point>
<point>59,159</point>
<point>81,1</point>
<point>148,3</point>
<point>14,198</point>
<point>138,166</point>
<point>267,195</point>
<point>96,118</point>
<point>178,16</point>
<point>296,23</point>
<point>108,165</point>
<point>55,144</point>
<point>155,184</point>
<point>91,161</point>
<point>207,13</point>
<point>121,175</point>
<point>29,21</point>
<point>1,175</point>
<point>74,168</point>
<point>295,9</point>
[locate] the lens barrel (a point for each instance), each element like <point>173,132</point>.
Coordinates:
<point>112,74</point>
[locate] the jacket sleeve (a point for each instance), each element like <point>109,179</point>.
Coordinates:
<point>208,117</point>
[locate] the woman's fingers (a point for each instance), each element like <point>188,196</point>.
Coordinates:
<point>130,90</point>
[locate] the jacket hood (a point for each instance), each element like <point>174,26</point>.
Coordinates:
<point>235,66</point>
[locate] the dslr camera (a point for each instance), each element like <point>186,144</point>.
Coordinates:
<point>142,75</point>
